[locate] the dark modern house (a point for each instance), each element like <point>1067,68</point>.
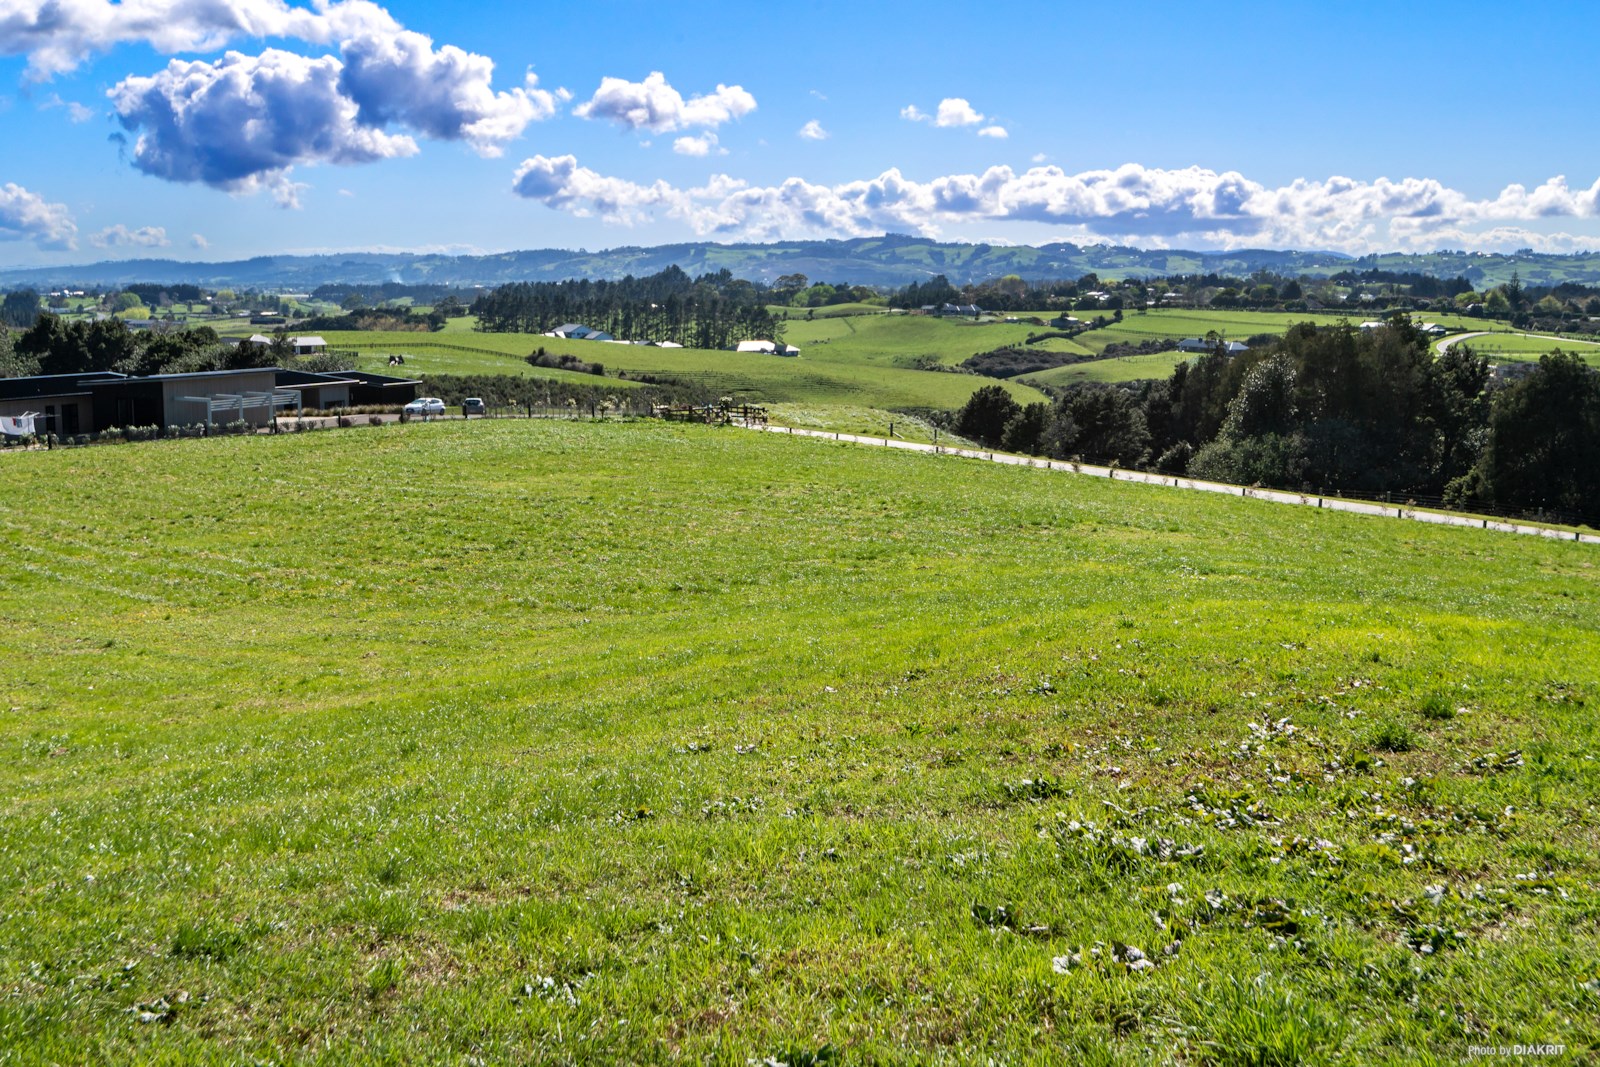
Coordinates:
<point>347,388</point>
<point>99,400</point>
<point>66,400</point>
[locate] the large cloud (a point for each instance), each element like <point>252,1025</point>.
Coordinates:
<point>242,122</point>
<point>26,216</point>
<point>58,35</point>
<point>561,183</point>
<point>656,106</point>
<point>1132,203</point>
<point>444,94</point>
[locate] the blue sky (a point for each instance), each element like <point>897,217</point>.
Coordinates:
<point>220,129</point>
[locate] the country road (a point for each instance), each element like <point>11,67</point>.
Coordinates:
<point>1444,346</point>
<point>1274,496</point>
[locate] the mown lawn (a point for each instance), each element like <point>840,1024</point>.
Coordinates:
<point>532,742</point>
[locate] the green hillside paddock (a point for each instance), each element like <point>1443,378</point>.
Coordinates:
<point>536,742</point>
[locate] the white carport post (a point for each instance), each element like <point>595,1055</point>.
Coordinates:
<point>206,400</point>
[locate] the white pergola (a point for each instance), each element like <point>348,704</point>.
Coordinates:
<point>238,403</point>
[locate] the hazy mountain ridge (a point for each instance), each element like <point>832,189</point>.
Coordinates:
<point>890,260</point>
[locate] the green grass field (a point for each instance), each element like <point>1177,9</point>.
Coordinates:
<point>832,312</point>
<point>1120,369</point>
<point>813,380</point>
<point>1519,346</point>
<point>564,742</point>
<point>428,353</point>
<point>868,361</point>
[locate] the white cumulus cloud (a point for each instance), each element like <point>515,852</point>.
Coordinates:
<point>242,122</point>
<point>813,131</point>
<point>120,236</point>
<point>562,184</point>
<point>1131,203</point>
<point>27,216</point>
<point>198,240</point>
<point>702,145</point>
<point>998,132</point>
<point>58,35</point>
<point>442,94</point>
<point>656,106</point>
<point>955,111</point>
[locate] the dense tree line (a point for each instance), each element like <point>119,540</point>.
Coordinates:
<point>58,346</point>
<point>1425,285</point>
<point>352,296</point>
<point>1568,306</point>
<point>152,295</point>
<point>712,311</point>
<point>1334,409</point>
<point>19,308</point>
<point>377,318</point>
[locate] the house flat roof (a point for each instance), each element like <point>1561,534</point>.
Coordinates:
<point>42,385</point>
<point>191,376</point>
<point>312,378</point>
<point>384,381</point>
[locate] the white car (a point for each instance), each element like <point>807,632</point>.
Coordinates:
<point>426,406</point>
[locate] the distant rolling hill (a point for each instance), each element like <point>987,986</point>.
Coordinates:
<point>891,260</point>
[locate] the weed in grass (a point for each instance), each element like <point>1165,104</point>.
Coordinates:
<point>384,976</point>
<point>208,940</point>
<point>1437,707</point>
<point>1391,736</point>
<point>1252,1023</point>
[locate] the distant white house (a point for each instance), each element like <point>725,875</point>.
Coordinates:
<point>768,348</point>
<point>1433,329</point>
<point>307,346</point>
<point>1200,344</point>
<point>576,331</point>
<point>1063,322</point>
<point>952,311</point>
<point>1371,325</point>
<point>668,344</point>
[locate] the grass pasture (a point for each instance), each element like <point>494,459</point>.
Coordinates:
<point>1110,371</point>
<point>568,742</point>
<point>830,312</point>
<point>813,380</point>
<point>1521,346</point>
<point>866,361</point>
